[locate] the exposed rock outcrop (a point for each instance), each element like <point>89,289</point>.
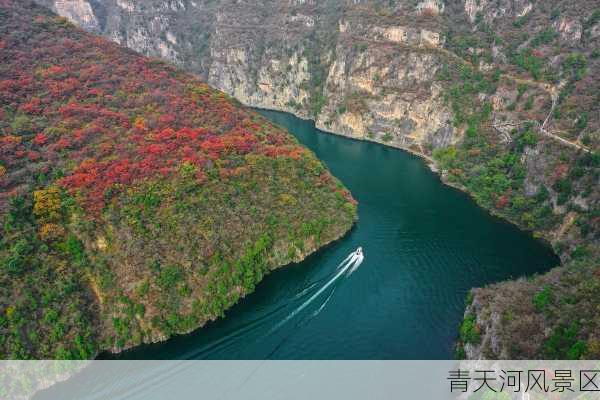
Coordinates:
<point>492,89</point>
<point>354,76</point>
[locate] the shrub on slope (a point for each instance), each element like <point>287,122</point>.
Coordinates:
<point>136,201</point>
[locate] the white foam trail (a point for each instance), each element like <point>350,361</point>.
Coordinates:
<point>303,292</point>
<point>317,294</point>
<point>324,304</point>
<point>347,258</point>
<point>357,263</point>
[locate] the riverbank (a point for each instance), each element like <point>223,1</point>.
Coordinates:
<point>306,253</point>
<point>426,245</point>
<point>430,162</point>
<point>486,306</point>
<point>304,117</point>
<point>136,224</point>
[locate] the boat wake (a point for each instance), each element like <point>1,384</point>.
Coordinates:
<point>352,262</point>
<point>306,296</point>
<point>348,267</point>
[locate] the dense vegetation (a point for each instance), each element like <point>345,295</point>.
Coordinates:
<point>136,201</point>
<point>493,167</point>
<point>518,77</point>
<point>539,85</point>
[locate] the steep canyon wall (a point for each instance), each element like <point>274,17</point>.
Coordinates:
<point>503,96</point>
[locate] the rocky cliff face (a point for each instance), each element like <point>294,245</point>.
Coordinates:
<point>136,202</point>
<point>502,94</point>
<point>335,62</point>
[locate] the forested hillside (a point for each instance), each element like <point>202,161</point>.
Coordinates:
<point>501,96</point>
<point>136,202</point>
<point>530,154</point>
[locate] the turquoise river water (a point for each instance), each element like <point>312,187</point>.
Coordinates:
<point>425,246</point>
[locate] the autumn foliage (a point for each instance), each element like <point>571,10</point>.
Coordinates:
<point>99,117</point>
<point>136,202</point>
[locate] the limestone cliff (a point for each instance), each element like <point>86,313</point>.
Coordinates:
<point>331,61</point>
<point>502,94</point>
<point>136,202</point>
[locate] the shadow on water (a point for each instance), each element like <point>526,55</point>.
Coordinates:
<point>425,246</point>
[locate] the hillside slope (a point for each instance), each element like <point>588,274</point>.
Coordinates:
<point>547,146</point>
<point>136,201</point>
<point>503,95</point>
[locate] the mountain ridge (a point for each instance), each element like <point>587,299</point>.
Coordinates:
<point>502,95</point>
<point>137,202</point>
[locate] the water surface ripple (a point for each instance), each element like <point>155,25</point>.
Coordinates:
<point>425,245</point>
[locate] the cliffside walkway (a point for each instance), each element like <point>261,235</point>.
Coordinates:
<point>554,95</point>
<point>548,88</point>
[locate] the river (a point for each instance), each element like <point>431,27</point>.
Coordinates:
<point>425,246</point>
